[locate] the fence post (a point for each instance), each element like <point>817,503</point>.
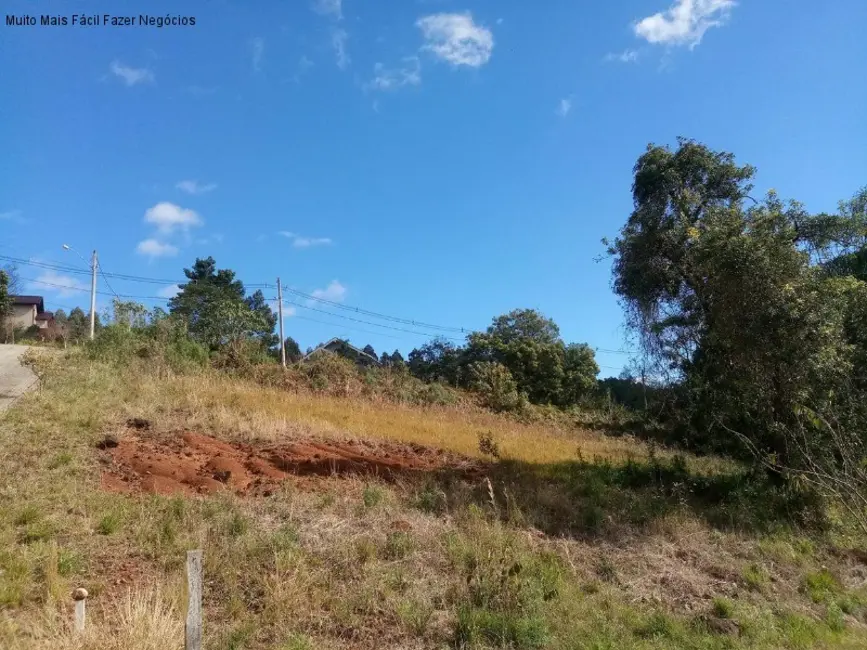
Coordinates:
<point>80,598</point>
<point>194,605</point>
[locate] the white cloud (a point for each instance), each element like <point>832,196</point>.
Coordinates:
<point>409,74</point>
<point>193,187</point>
<point>457,39</point>
<point>63,285</point>
<point>305,242</point>
<point>564,107</point>
<point>335,292</point>
<point>154,248</point>
<point>338,42</point>
<point>168,217</point>
<point>258,47</point>
<point>685,22</point>
<point>169,292</point>
<point>626,56</point>
<point>131,76</point>
<point>329,8</point>
<point>11,214</point>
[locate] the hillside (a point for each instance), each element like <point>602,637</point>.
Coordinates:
<point>351,522</point>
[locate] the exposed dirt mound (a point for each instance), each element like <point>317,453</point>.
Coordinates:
<point>192,463</point>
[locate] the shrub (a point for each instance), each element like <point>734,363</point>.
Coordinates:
<point>496,387</point>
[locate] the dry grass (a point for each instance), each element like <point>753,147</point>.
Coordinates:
<point>421,563</point>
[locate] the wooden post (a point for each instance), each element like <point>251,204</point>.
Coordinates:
<point>194,605</point>
<point>280,312</point>
<point>80,598</point>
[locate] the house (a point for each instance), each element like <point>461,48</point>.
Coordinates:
<point>344,349</point>
<point>28,311</point>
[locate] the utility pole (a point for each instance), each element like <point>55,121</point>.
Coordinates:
<point>280,314</point>
<point>93,297</point>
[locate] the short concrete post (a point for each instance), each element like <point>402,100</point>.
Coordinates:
<point>194,604</point>
<point>80,598</point>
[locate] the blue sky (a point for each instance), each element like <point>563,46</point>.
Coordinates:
<point>442,161</point>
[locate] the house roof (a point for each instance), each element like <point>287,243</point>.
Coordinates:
<point>30,300</point>
<point>46,315</point>
<point>342,342</point>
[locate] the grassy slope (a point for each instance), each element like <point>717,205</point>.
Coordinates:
<point>579,542</point>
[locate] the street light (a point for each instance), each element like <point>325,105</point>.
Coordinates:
<point>93,263</point>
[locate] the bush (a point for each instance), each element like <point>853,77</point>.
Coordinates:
<point>496,387</point>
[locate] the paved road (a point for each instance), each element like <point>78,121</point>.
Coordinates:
<point>15,379</point>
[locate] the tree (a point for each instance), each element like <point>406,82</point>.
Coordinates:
<point>60,317</point>
<point>396,360</point>
<point>734,304</point>
<point>436,360</point>
<point>78,325</point>
<point>293,351</point>
<point>369,350</point>
<point>264,332</point>
<point>528,344</point>
<point>130,314</point>
<point>579,373</point>
<point>5,298</point>
<point>216,310</point>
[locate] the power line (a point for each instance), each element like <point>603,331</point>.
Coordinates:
<point>101,293</point>
<point>366,322</point>
<point>367,312</point>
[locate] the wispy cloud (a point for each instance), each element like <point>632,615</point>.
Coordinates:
<point>257,48</point>
<point>564,107</point>
<point>62,285</point>
<point>339,37</point>
<point>684,23</point>
<point>154,248</point>
<point>335,292</point>
<point>194,187</point>
<point>626,56</point>
<point>131,76</point>
<point>169,292</point>
<point>299,241</point>
<point>304,66</point>
<point>11,215</point>
<point>168,217</point>
<point>457,39</point>
<point>332,8</point>
<point>408,74</point>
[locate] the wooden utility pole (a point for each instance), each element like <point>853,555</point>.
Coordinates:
<point>280,313</point>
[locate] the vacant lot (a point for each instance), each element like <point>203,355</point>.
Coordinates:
<point>333,523</point>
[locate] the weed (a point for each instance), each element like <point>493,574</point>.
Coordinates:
<point>834,618</point>
<point>28,515</point>
<point>501,629</point>
<point>820,586</point>
<point>60,460</point>
<point>488,446</point>
<point>365,550</point>
<point>237,525</point>
<point>297,641</point>
<point>109,524</point>
<point>656,626</point>
<point>755,577</point>
<point>398,545</point>
<point>723,608</point>
<point>430,499</point>
<point>606,570</point>
<point>372,496</point>
<point>414,616</point>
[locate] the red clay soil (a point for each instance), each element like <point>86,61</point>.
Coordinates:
<point>192,463</point>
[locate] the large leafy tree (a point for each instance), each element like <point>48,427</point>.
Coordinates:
<point>529,345</point>
<point>213,304</point>
<point>293,351</point>
<point>436,360</point>
<point>732,301</point>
